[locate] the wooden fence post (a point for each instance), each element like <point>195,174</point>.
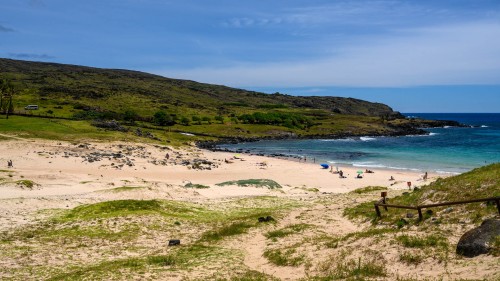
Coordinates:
<point>377,210</point>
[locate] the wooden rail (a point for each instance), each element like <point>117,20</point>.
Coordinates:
<point>382,202</point>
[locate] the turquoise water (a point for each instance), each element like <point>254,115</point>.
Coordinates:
<point>444,150</point>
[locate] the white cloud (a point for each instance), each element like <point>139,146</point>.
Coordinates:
<point>443,55</point>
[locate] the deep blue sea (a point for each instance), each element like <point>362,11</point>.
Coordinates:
<point>443,150</point>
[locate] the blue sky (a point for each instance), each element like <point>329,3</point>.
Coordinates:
<point>415,56</point>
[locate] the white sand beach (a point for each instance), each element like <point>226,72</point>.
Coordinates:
<point>60,168</point>
<point>67,175</point>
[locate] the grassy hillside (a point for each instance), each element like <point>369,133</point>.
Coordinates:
<point>135,99</point>
<point>120,89</point>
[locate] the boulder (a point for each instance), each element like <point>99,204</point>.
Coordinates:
<point>479,240</point>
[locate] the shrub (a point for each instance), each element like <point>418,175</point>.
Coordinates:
<point>161,118</point>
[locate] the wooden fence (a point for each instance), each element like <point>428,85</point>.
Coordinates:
<point>382,203</point>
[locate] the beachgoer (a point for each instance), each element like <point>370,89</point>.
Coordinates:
<point>9,164</point>
<point>425,176</point>
<point>409,184</point>
<point>359,176</point>
<point>341,174</point>
<point>392,178</point>
<point>167,156</point>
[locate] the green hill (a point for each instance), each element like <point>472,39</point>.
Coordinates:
<point>56,81</point>
<point>87,93</point>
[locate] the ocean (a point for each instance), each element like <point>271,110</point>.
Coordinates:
<point>444,150</point>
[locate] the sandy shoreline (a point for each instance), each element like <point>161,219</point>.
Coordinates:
<point>67,175</point>
<point>59,168</point>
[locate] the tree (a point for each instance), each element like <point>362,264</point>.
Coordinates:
<point>220,119</point>
<point>2,89</point>
<point>161,118</point>
<point>7,90</point>
<point>196,119</point>
<point>185,121</point>
<point>130,116</point>
<point>207,119</point>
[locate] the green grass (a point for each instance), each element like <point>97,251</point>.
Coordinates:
<point>423,242</point>
<point>196,186</point>
<point>27,127</point>
<point>410,258</point>
<point>368,189</point>
<point>123,208</point>
<point>226,231</point>
<point>71,130</point>
<point>270,184</point>
<point>163,260</point>
<point>482,182</point>
<point>371,265</point>
<point>113,269</point>
<point>26,183</point>
<point>284,257</point>
<point>495,249</point>
<point>360,268</point>
<point>114,209</point>
<point>286,231</point>
<point>248,275</point>
<point>127,188</point>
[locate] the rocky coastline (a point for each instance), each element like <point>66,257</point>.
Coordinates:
<point>415,127</point>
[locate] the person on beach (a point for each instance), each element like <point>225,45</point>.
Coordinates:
<point>425,176</point>
<point>392,178</point>
<point>359,176</point>
<point>341,174</point>
<point>9,164</point>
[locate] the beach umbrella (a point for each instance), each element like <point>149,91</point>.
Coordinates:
<point>360,172</point>
<point>325,166</point>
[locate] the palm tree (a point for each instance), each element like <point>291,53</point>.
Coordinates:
<point>7,90</point>
<point>3,85</point>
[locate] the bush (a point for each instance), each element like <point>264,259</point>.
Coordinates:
<point>161,118</point>
<point>130,116</point>
<point>185,121</point>
<point>290,120</point>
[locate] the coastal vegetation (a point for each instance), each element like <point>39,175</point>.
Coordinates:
<point>270,184</point>
<point>483,182</point>
<point>77,99</point>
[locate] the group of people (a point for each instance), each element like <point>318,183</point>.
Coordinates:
<point>359,176</point>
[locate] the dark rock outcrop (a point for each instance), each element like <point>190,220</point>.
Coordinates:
<point>479,240</point>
